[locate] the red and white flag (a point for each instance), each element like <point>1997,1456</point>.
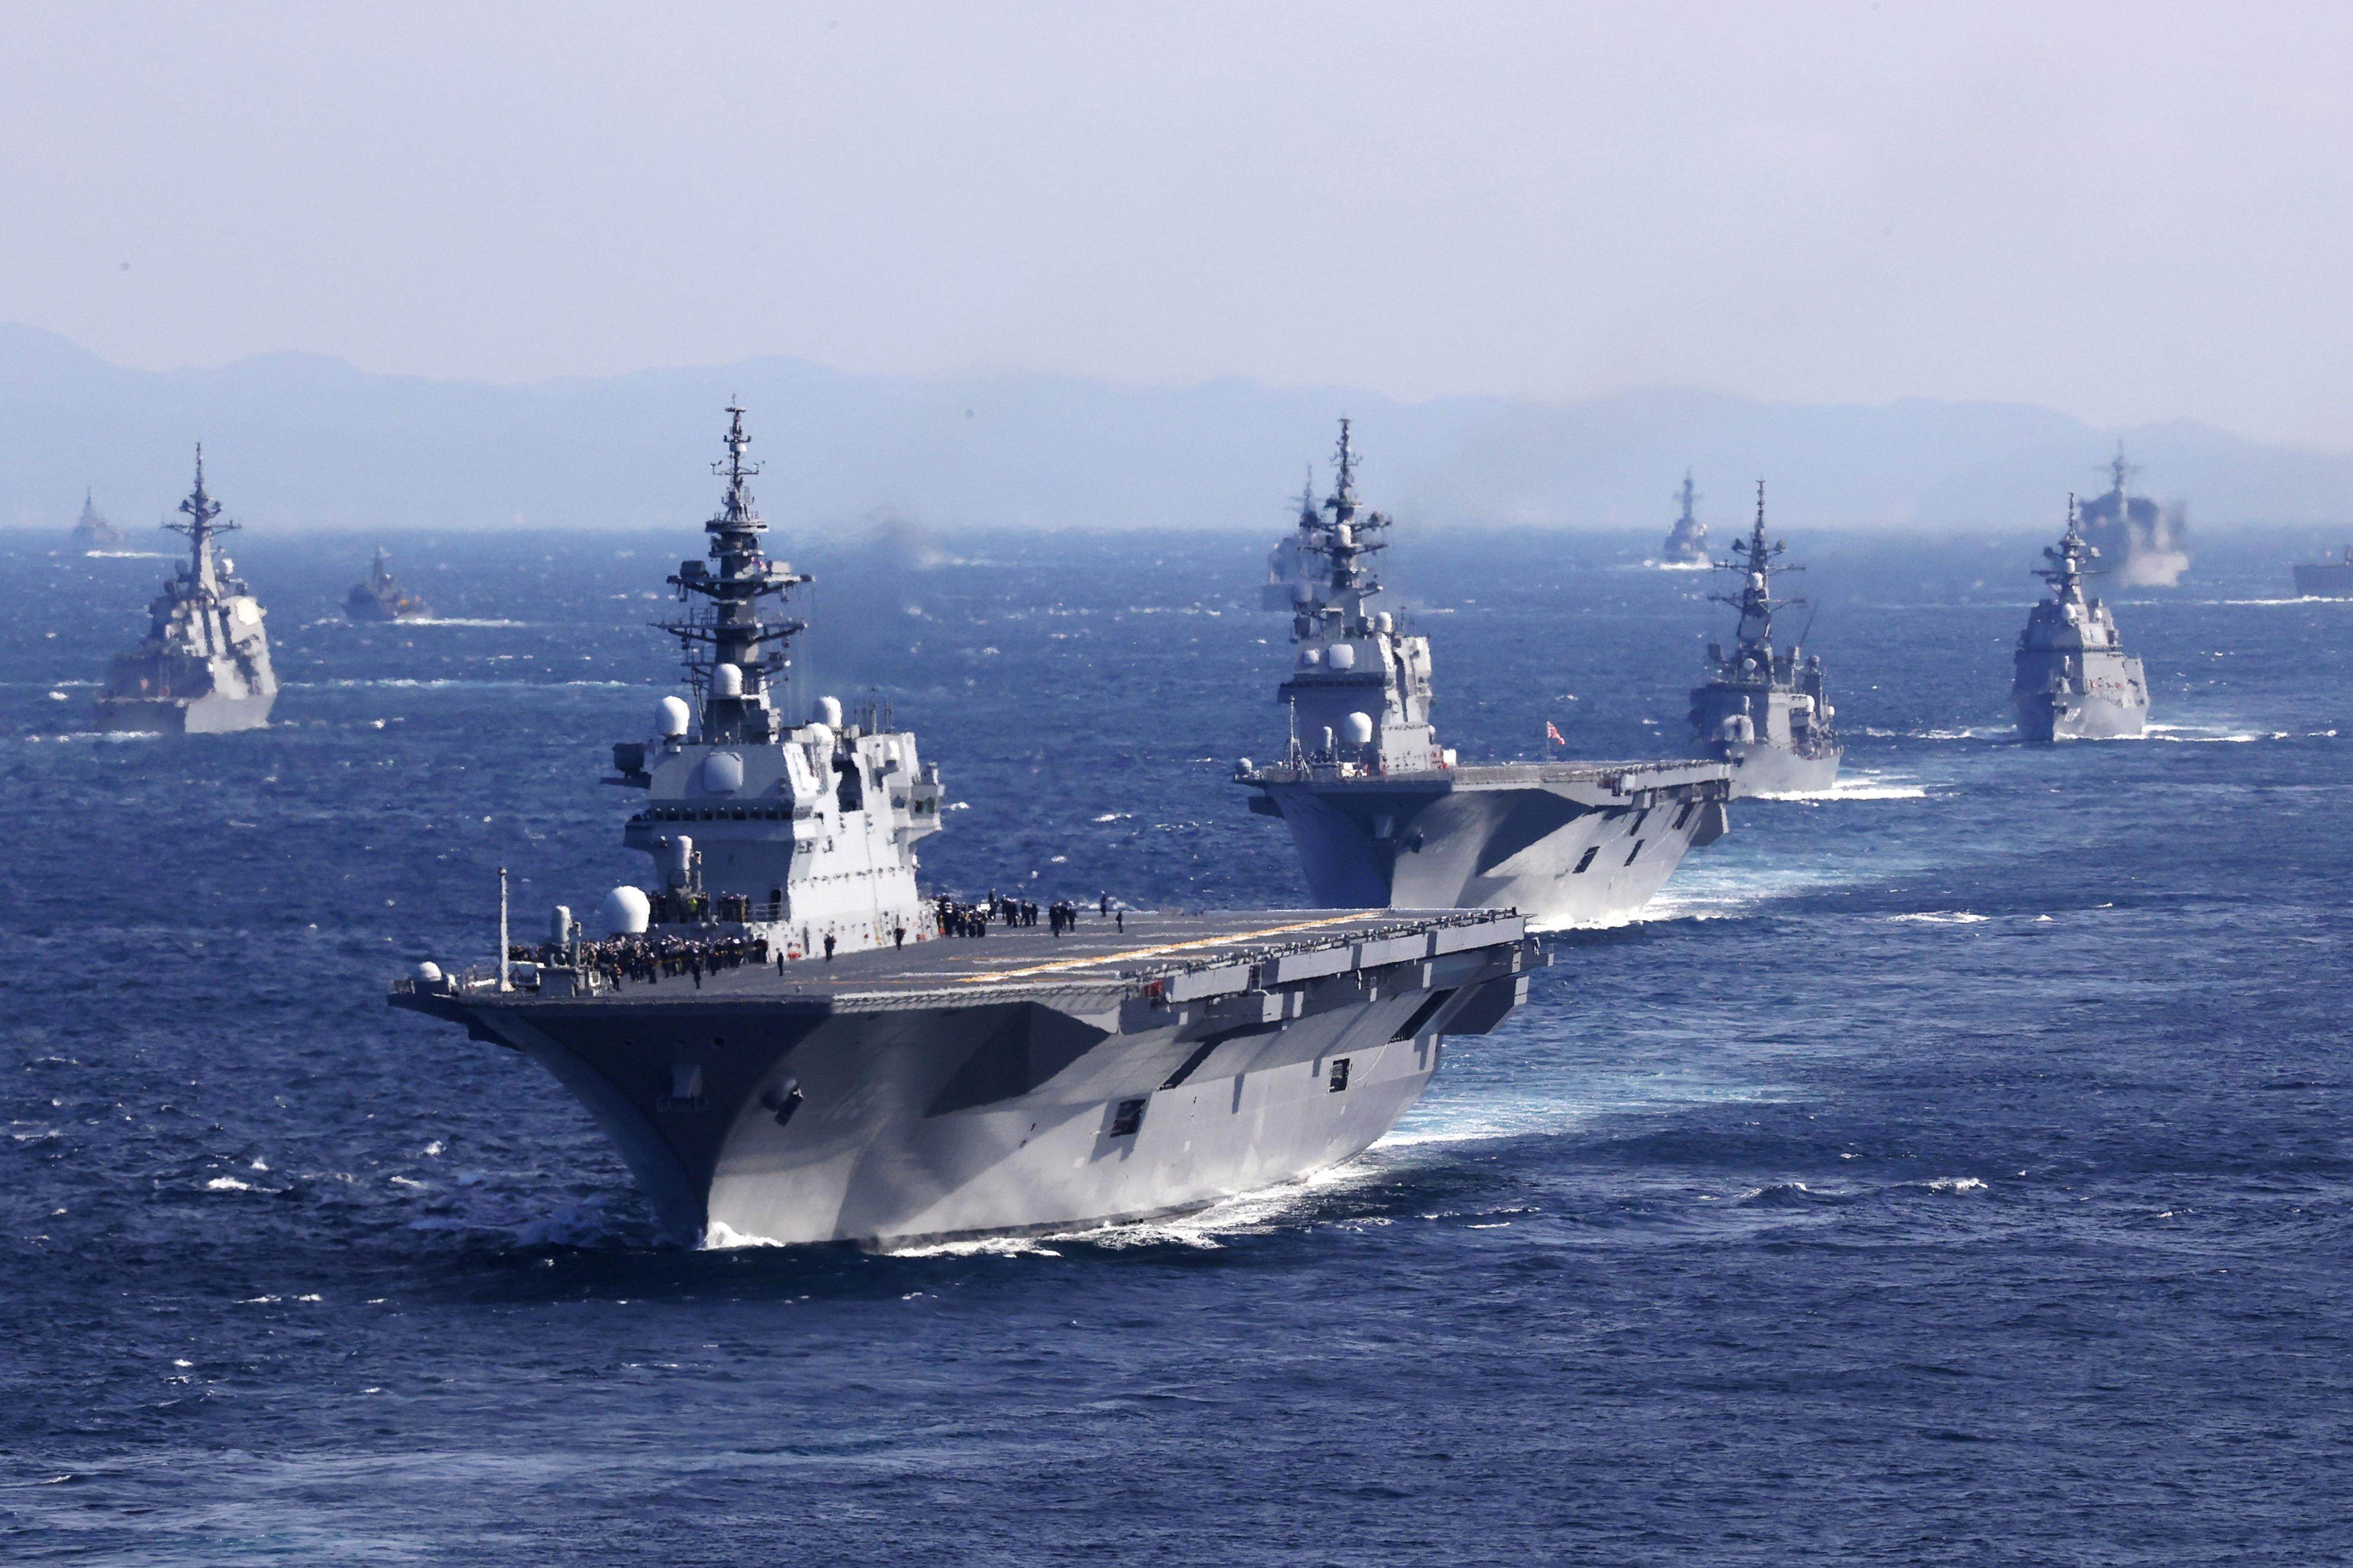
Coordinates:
<point>1552,732</point>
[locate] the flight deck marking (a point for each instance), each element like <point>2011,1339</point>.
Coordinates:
<point>1227,940</point>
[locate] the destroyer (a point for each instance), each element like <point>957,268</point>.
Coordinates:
<point>1687,541</point>
<point>2148,543</point>
<point>379,598</point>
<point>1382,814</point>
<point>1761,708</point>
<point>92,532</point>
<point>203,667</point>
<point>2074,680</point>
<point>905,1088</point>
<point>2326,579</point>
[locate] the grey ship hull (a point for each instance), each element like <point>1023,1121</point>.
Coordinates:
<point>2330,580</point>
<point>980,1088</point>
<point>1759,769</point>
<point>2077,716</point>
<point>216,713</point>
<point>1564,844</point>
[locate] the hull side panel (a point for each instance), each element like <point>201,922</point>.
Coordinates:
<point>1488,849</point>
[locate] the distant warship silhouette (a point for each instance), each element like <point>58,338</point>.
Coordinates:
<point>91,531</point>
<point>1687,542</point>
<point>379,598</point>
<point>2326,579</point>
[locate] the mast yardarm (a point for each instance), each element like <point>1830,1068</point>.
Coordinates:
<point>2071,559</point>
<point>203,525</point>
<point>731,629</point>
<point>1753,559</point>
<point>1347,540</point>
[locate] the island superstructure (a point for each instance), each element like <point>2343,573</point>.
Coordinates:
<point>1763,709</point>
<point>1382,814</point>
<point>377,597</point>
<point>1687,541</point>
<point>204,665</point>
<point>2072,680</point>
<point>784,1047</point>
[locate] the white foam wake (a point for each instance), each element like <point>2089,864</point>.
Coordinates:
<point>1867,787</point>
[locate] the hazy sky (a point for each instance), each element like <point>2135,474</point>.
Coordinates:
<point>2127,213</point>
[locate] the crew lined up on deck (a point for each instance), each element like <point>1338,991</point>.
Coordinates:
<point>649,959</point>
<point>962,920</point>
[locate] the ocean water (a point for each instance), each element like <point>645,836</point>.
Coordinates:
<point>1954,1171</point>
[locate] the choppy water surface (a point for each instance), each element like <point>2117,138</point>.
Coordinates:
<point>1955,1171</point>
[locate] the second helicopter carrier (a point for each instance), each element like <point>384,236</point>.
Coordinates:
<point>1383,814</point>
<point>911,1086</point>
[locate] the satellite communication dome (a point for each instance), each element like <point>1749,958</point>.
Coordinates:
<point>829,712</point>
<point>727,681</point>
<point>1344,655</point>
<point>674,716</point>
<point>627,913</point>
<point>1360,729</point>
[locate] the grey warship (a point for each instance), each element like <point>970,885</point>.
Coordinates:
<point>2072,679</point>
<point>1764,709</point>
<point>1687,541</point>
<point>204,665</point>
<point>2146,544</point>
<point>2326,579</point>
<point>91,531</point>
<point>1382,814</point>
<point>909,1087</point>
<point>378,598</point>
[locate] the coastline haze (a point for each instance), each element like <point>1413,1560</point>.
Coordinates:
<point>2130,217</point>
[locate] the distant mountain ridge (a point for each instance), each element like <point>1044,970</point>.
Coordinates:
<point>300,441</point>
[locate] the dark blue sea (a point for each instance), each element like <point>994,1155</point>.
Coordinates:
<point>1955,1170</point>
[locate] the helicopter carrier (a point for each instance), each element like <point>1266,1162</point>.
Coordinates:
<point>2074,682</point>
<point>907,1086</point>
<point>1382,814</point>
<point>1764,709</point>
<point>204,665</point>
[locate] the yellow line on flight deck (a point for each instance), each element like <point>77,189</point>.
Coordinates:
<point>1226,941</point>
